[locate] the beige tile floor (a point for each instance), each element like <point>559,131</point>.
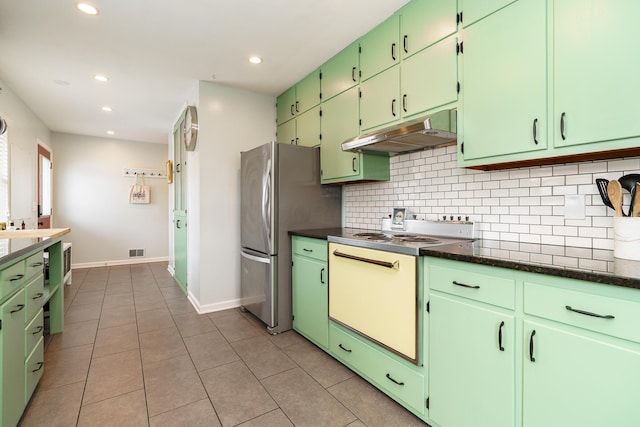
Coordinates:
<point>135,353</point>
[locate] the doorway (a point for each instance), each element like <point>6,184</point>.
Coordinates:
<point>180,236</point>
<point>44,187</point>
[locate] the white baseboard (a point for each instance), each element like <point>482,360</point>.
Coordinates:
<point>212,308</point>
<point>118,262</point>
<point>171,270</point>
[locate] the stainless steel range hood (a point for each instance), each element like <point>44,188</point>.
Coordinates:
<point>435,130</point>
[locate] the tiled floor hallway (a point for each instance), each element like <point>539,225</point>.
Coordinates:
<point>136,353</point>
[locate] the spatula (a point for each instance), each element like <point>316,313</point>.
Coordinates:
<point>602,184</point>
<point>635,208</point>
<point>614,190</point>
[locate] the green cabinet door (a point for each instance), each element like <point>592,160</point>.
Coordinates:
<point>578,380</point>
<point>286,132</point>
<point>180,248</point>
<point>472,364</point>
<point>308,128</point>
<point>308,92</point>
<point>340,72</point>
<point>379,48</point>
<point>429,79</point>
<point>12,389</point>
<point>424,22</point>
<point>339,123</point>
<point>285,105</point>
<point>310,299</point>
<point>596,76</point>
<point>473,10</point>
<point>504,84</point>
<point>380,102</point>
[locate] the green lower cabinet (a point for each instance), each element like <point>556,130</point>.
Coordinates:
<point>12,358</point>
<point>399,379</point>
<point>339,122</point>
<point>576,379</point>
<point>310,299</point>
<point>472,357</point>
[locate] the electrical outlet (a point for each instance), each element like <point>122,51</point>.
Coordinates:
<point>574,207</point>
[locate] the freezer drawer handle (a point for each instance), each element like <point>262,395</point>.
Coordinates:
<point>255,258</point>
<point>390,378</point>
<point>395,264</point>
<point>464,285</point>
<point>588,313</point>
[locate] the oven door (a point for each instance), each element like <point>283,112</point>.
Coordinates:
<point>374,293</point>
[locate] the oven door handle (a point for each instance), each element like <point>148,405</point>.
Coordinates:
<point>386,264</point>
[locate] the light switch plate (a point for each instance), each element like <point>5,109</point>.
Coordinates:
<point>574,207</point>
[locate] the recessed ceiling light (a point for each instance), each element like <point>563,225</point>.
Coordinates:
<point>101,78</point>
<point>88,9</point>
<point>110,132</point>
<point>107,109</point>
<point>255,60</point>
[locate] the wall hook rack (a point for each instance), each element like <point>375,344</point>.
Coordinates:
<point>146,172</point>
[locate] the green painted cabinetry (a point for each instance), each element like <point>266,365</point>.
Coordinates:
<point>339,122</point>
<point>424,22</point>
<point>304,129</point>
<point>341,72</point>
<point>474,10</point>
<point>380,99</point>
<point>505,65</point>
<point>310,289</point>
<point>12,359</point>
<point>285,105</point>
<point>286,132</point>
<point>379,48</point>
<point>299,98</point>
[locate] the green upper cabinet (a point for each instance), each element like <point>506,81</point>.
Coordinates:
<point>340,72</point>
<point>474,10</point>
<point>380,99</point>
<point>380,48</point>
<point>308,128</point>
<point>340,122</point>
<point>287,132</point>
<point>504,84</point>
<point>424,22</point>
<point>299,98</point>
<point>595,75</point>
<point>429,79</point>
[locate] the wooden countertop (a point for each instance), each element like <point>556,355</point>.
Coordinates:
<point>31,234</point>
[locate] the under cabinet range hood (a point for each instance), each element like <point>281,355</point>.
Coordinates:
<point>431,131</point>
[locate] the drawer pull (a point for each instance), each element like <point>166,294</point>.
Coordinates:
<point>38,296</point>
<point>500,346</point>
<point>390,378</point>
<point>465,285</point>
<point>38,330</point>
<point>533,333</point>
<point>37,264</point>
<point>16,277</point>
<point>40,365</point>
<point>20,307</point>
<point>307,250</point>
<point>395,264</point>
<point>588,313</point>
<point>345,349</point>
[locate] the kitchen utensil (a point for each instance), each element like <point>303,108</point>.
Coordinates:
<point>635,205</point>
<point>628,182</point>
<point>614,190</point>
<point>602,184</point>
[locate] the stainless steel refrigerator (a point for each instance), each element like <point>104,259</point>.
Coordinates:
<point>280,191</point>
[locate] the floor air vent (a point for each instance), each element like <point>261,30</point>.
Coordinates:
<point>136,253</point>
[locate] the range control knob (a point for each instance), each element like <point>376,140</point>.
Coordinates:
<point>466,218</point>
<point>444,217</point>
<point>451,217</point>
<point>459,218</point>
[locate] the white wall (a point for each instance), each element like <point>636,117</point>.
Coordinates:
<point>90,196</point>
<point>522,205</point>
<point>24,132</point>
<point>231,121</point>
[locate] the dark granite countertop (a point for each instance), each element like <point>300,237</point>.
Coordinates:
<point>593,265</point>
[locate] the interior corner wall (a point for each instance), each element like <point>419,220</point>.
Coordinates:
<point>230,121</point>
<point>91,196</point>
<point>24,131</point>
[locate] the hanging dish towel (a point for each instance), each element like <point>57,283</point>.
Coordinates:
<point>139,192</point>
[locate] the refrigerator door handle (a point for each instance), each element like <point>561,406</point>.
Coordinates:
<point>255,258</point>
<point>266,202</point>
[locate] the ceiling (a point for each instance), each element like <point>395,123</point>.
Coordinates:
<point>154,50</point>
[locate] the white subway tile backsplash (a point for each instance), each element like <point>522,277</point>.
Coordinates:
<point>523,205</point>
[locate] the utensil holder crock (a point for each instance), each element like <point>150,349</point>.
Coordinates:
<point>626,238</point>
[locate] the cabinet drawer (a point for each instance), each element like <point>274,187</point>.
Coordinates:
<point>33,332</point>
<point>584,310</point>
<point>312,248</point>
<point>34,265</point>
<point>475,285</point>
<point>11,278</point>
<point>391,376</point>
<point>33,368</point>
<point>33,297</point>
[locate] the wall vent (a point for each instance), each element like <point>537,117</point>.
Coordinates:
<point>136,253</point>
